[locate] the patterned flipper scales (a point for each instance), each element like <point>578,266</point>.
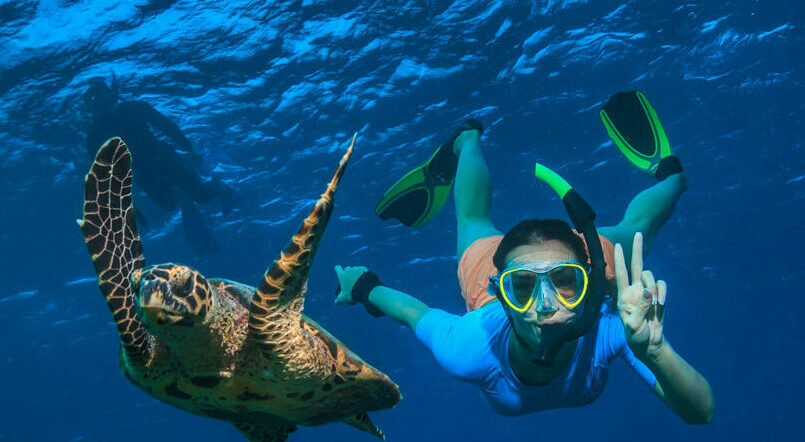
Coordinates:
<point>111,236</point>
<point>362,422</point>
<point>276,308</point>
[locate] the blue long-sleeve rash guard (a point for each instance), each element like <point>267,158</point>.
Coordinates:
<point>474,348</point>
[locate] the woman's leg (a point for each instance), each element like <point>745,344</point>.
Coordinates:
<point>647,212</point>
<point>472,192</point>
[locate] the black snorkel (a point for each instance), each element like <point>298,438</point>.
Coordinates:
<point>582,216</point>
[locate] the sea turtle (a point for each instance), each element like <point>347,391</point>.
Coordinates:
<point>218,348</point>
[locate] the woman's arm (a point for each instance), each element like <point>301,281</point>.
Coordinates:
<point>681,387</point>
<point>459,343</point>
<point>399,306</point>
<point>395,304</point>
<point>641,305</point>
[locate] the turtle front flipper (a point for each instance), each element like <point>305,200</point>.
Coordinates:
<point>110,232</point>
<point>276,308</point>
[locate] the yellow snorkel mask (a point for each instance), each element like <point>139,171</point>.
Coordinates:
<point>564,283</point>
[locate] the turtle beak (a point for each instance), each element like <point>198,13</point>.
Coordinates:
<point>152,296</point>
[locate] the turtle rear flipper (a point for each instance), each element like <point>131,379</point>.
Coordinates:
<point>276,309</point>
<point>351,390</point>
<point>265,432</point>
<point>362,422</point>
<point>110,232</point>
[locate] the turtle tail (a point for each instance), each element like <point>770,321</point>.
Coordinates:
<point>362,422</point>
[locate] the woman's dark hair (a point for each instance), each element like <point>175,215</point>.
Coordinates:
<point>537,231</point>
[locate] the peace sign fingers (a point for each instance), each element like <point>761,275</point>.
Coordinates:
<point>620,269</point>
<point>637,256</point>
<point>630,295</point>
<point>641,304</point>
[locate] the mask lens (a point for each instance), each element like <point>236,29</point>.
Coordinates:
<point>569,282</point>
<point>518,286</point>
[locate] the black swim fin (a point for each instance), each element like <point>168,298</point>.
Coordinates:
<point>421,193</point>
<point>634,127</point>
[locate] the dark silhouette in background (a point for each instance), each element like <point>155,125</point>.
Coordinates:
<point>168,177</point>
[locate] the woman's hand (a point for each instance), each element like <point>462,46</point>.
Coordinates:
<point>346,280</point>
<point>641,304</point>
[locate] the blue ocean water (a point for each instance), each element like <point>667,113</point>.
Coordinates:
<point>270,92</point>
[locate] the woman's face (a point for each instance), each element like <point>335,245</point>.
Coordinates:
<point>528,324</point>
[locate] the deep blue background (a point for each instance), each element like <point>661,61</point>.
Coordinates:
<point>271,93</point>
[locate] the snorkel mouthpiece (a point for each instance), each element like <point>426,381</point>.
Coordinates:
<point>551,342</point>
<point>582,216</point>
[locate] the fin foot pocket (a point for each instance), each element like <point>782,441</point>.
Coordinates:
<point>668,166</point>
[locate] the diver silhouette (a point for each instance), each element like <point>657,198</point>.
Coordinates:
<point>169,178</point>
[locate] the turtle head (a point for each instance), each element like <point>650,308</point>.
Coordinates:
<point>170,295</point>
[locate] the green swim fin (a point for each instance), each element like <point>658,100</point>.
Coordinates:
<point>421,193</point>
<point>633,125</point>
